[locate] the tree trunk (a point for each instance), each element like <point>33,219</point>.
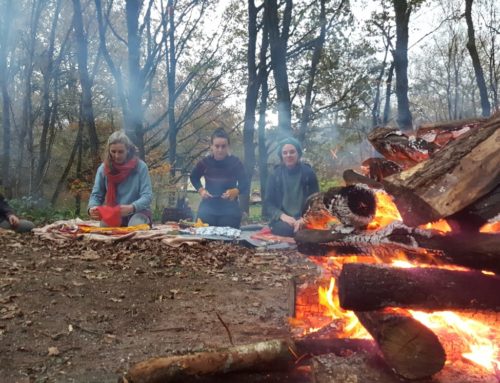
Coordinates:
<point>365,287</point>
<point>86,83</point>
<point>388,92</point>
<point>402,10</point>
<point>316,56</point>
<point>250,102</point>
<point>409,348</point>
<point>278,42</point>
<point>134,113</point>
<point>4,51</point>
<point>476,62</point>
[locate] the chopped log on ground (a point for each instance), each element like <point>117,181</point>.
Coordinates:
<point>364,287</point>
<point>454,178</point>
<point>270,355</point>
<point>379,168</point>
<point>442,132</point>
<point>409,348</point>
<point>309,346</point>
<point>353,205</point>
<point>398,147</point>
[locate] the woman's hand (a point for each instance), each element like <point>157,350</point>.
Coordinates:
<point>287,219</point>
<point>204,193</point>
<point>13,220</point>
<point>298,225</point>
<point>94,213</point>
<point>126,210</point>
<point>231,194</point>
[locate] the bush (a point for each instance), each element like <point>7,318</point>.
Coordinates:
<point>39,211</point>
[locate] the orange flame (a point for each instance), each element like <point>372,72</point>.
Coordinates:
<point>492,227</point>
<point>441,225</point>
<point>386,211</point>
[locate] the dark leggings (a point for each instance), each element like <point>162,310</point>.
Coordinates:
<point>220,220</point>
<point>281,228</point>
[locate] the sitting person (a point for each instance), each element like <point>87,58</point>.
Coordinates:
<point>225,179</point>
<point>122,182</point>
<point>288,188</point>
<point>9,220</point>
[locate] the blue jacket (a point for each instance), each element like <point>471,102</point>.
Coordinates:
<point>135,190</point>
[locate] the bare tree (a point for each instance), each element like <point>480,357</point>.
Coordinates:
<point>476,62</point>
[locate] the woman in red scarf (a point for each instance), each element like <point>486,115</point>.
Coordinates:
<point>122,191</point>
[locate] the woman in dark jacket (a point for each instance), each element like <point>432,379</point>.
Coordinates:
<point>9,220</point>
<point>288,188</point>
<point>225,179</point>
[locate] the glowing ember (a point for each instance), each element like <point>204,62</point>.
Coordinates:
<point>386,212</point>
<point>493,227</point>
<point>440,225</point>
<point>478,338</point>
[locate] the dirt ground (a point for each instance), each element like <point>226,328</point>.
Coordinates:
<point>86,311</point>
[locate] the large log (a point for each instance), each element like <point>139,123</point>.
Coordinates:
<point>454,178</point>
<point>364,287</point>
<point>409,348</point>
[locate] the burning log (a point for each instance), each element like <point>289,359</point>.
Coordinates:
<point>353,205</point>
<point>480,251</point>
<point>379,168</point>
<point>454,178</point>
<point>353,178</point>
<point>270,355</point>
<point>409,348</point>
<point>364,287</point>
<point>399,148</point>
<point>441,133</point>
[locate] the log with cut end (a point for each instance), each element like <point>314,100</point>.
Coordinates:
<point>353,205</point>
<point>364,287</point>
<point>452,179</point>
<point>409,348</point>
<point>270,355</point>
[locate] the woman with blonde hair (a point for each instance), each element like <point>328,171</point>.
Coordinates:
<point>122,191</point>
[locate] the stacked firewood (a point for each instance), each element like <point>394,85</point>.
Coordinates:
<point>455,177</point>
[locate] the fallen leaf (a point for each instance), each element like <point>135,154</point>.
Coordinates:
<point>53,351</point>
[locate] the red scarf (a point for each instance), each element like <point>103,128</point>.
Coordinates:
<point>116,176</point>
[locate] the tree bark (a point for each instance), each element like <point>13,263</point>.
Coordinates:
<point>263,356</point>
<point>411,349</point>
<point>252,94</point>
<point>402,10</point>
<point>86,83</point>
<point>364,287</point>
<point>476,62</point>
<point>278,42</point>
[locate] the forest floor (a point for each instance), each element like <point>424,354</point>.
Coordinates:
<point>86,311</point>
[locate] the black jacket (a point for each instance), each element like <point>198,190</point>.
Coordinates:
<point>274,189</point>
<point>5,209</point>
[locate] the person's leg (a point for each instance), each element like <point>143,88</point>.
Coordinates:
<point>24,226</point>
<point>281,228</point>
<point>210,219</point>
<point>139,219</point>
<point>229,220</point>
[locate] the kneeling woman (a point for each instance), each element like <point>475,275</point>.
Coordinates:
<point>288,188</point>
<point>122,182</point>
<point>225,179</point>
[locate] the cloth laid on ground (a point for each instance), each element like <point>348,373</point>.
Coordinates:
<point>266,235</point>
<point>60,231</point>
<point>223,231</point>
